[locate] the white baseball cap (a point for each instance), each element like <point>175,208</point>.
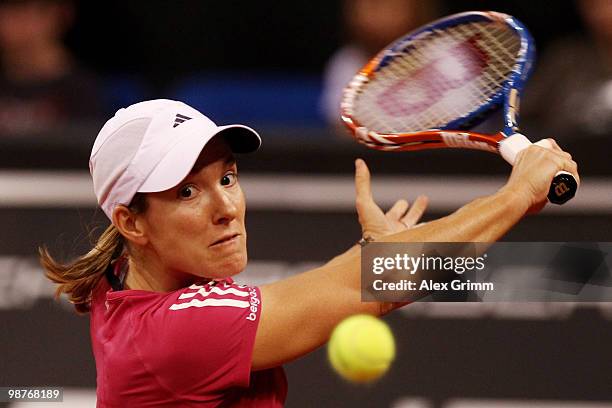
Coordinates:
<point>151,146</point>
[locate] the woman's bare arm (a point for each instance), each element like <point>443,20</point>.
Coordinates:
<point>299,313</point>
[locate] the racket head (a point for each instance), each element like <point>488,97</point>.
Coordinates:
<point>424,89</point>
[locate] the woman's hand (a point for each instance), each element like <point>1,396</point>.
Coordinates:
<point>374,222</point>
<point>533,171</point>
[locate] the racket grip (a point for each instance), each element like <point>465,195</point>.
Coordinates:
<point>563,187</point>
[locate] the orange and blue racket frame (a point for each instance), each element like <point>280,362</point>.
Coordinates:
<point>455,134</point>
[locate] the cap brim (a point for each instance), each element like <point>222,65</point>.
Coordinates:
<point>242,139</point>
<point>179,160</point>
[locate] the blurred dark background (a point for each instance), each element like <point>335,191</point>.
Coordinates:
<point>164,41</point>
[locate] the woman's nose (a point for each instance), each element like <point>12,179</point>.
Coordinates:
<point>225,209</point>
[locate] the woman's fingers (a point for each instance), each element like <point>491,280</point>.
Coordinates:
<point>371,217</point>
<point>398,210</point>
<point>373,220</point>
<point>416,211</point>
<point>362,183</point>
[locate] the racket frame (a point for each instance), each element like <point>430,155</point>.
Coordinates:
<point>453,134</point>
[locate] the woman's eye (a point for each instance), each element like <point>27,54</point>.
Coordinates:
<point>229,179</point>
<point>186,192</point>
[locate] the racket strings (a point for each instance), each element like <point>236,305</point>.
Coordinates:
<point>453,107</point>
<point>411,62</point>
<point>441,76</point>
<point>434,87</point>
<point>504,51</point>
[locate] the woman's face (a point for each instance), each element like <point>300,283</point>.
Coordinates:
<point>197,228</point>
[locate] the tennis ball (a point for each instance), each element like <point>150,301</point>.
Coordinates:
<point>361,348</point>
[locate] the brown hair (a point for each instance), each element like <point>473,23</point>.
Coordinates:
<point>79,277</point>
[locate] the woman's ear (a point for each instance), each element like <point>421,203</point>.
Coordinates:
<point>130,225</point>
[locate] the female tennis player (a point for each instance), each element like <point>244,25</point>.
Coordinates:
<point>169,327</point>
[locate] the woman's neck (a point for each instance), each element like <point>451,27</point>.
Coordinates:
<point>148,277</point>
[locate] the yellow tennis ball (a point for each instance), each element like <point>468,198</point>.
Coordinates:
<point>361,348</point>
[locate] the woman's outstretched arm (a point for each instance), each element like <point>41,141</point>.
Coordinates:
<point>299,312</point>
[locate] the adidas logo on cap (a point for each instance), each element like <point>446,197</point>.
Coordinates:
<point>180,119</point>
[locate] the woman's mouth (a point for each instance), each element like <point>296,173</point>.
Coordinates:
<point>225,240</point>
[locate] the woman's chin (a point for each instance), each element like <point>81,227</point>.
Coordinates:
<point>227,268</point>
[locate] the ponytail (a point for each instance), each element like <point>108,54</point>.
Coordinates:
<point>79,278</point>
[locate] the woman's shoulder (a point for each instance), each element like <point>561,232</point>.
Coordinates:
<point>215,302</point>
<point>207,327</point>
<point>214,308</point>
<point>215,293</point>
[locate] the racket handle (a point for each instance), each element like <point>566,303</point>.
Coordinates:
<point>563,187</point>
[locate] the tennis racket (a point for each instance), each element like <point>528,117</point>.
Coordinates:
<point>427,88</point>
